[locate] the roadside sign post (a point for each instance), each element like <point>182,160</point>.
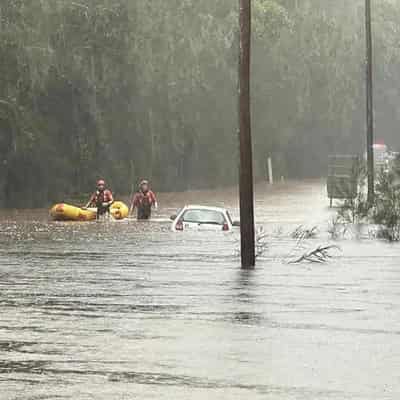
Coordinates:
<point>270,173</point>
<point>246,186</point>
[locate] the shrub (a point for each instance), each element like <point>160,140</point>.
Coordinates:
<point>385,209</point>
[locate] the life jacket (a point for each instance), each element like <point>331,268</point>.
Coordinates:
<point>99,198</point>
<point>144,199</point>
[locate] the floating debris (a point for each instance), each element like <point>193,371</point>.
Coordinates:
<point>319,255</point>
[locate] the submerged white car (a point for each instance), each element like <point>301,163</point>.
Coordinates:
<point>203,218</point>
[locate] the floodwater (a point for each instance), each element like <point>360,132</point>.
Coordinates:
<point>129,310</point>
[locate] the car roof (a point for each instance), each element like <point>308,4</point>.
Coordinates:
<point>196,207</point>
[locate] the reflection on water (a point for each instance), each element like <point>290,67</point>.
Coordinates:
<point>128,310</point>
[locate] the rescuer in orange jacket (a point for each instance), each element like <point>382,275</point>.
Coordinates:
<point>102,198</point>
<point>144,200</point>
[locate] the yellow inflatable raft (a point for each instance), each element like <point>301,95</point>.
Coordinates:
<point>66,212</point>
<point>119,210</point>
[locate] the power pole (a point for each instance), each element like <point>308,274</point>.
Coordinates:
<point>370,103</point>
<point>246,188</point>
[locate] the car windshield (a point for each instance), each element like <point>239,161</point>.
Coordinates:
<point>204,217</point>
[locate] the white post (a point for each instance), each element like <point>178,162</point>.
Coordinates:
<point>270,175</point>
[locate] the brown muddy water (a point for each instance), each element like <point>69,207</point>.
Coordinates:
<point>129,310</point>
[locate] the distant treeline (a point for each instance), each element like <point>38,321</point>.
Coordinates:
<point>126,89</point>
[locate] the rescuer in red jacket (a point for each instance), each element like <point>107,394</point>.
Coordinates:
<point>144,200</point>
<point>102,198</point>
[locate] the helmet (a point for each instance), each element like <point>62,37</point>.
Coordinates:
<point>101,182</point>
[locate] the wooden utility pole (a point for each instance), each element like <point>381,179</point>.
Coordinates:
<point>246,158</point>
<point>370,104</point>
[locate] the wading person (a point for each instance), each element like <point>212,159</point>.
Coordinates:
<point>144,200</point>
<point>102,198</point>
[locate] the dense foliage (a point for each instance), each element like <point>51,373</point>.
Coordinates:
<point>127,89</point>
<point>382,215</point>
